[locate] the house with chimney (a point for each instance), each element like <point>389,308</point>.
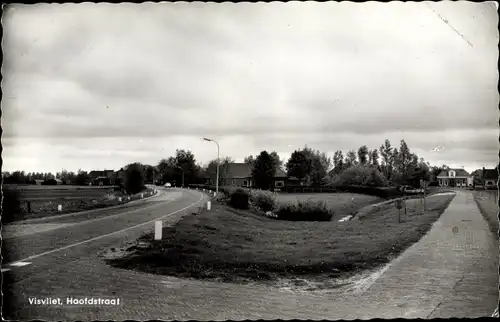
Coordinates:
<point>240,175</point>
<point>487,177</point>
<point>458,178</point>
<point>102,177</point>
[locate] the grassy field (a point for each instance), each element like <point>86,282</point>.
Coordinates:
<point>487,201</point>
<point>230,245</point>
<point>46,202</point>
<point>54,187</point>
<point>343,204</point>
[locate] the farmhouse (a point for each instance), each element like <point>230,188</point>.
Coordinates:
<point>455,178</point>
<point>102,177</point>
<point>487,177</point>
<point>240,174</point>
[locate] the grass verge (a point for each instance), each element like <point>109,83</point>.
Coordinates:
<point>341,204</point>
<point>231,245</point>
<point>487,202</point>
<point>47,208</point>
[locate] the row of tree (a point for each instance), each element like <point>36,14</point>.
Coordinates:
<point>382,166</point>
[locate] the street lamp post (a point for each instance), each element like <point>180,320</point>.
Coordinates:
<point>217,178</point>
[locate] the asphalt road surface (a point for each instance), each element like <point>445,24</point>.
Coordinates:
<point>450,272</point>
<point>35,247</point>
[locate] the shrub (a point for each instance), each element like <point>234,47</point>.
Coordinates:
<point>11,205</point>
<point>382,192</point>
<point>227,191</point>
<point>239,199</point>
<point>362,176</point>
<point>134,180</point>
<point>49,182</point>
<point>264,200</point>
<point>305,211</point>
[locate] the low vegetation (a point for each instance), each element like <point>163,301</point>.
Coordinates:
<point>239,199</point>
<point>240,245</point>
<point>16,208</point>
<point>487,202</point>
<point>304,211</point>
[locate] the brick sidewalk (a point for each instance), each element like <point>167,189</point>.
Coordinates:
<point>445,274</point>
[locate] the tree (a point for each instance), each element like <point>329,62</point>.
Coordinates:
<point>363,155</point>
<point>320,165</point>
<point>276,158</point>
<point>404,159</point>
<point>181,168</point>
<point>419,171</point>
<point>223,168</point>
<point>338,162</point>
<point>374,158</point>
<point>166,170</point>
<point>249,160</point>
<point>185,167</point>
<point>134,180</point>
<point>82,178</point>
<point>362,176</point>
<point>350,159</point>
<point>263,170</point>
<point>387,160</point>
<point>299,165</point>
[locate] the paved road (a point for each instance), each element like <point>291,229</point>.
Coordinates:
<point>35,247</point>
<point>445,274</point>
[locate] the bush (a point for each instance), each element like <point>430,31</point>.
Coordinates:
<point>11,205</point>
<point>382,192</point>
<point>264,200</point>
<point>49,182</point>
<point>134,180</point>
<point>362,176</point>
<point>305,211</point>
<point>239,199</point>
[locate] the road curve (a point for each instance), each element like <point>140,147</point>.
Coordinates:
<point>30,249</point>
<point>445,274</point>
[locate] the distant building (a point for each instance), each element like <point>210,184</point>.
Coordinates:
<point>455,178</point>
<point>487,177</point>
<point>102,177</point>
<point>240,175</point>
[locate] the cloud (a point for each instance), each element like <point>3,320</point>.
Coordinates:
<point>334,75</point>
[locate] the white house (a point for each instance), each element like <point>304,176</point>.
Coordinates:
<point>455,178</point>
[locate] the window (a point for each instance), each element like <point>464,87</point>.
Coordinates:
<point>245,183</point>
<point>280,184</point>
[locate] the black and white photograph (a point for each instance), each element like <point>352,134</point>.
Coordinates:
<point>246,161</point>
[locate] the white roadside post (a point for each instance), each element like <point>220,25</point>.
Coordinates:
<point>215,194</point>
<point>209,205</point>
<point>59,208</point>
<point>120,199</point>
<point>142,195</point>
<point>158,227</point>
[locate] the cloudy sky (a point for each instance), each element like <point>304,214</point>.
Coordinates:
<point>96,86</point>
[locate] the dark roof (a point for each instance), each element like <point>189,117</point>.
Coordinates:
<point>101,172</point>
<point>458,173</point>
<point>280,173</point>
<point>238,170</point>
<point>244,170</point>
<point>489,174</point>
